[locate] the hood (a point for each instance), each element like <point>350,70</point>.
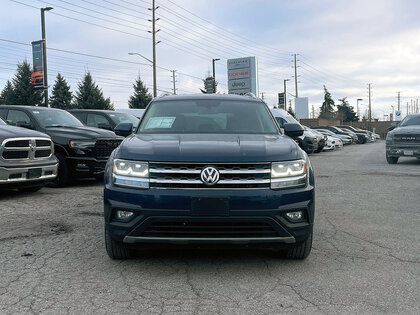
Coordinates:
<point>415,129</point>
<point>209,148</point>
<point>7,132</point>
<point>80,133</point>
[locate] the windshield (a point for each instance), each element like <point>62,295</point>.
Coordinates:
<point>124,118</point>
<point>208,116</point>
<point>410,121</point>
<point>327,132</point>
<point>56,118</point>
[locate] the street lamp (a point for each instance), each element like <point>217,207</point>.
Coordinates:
<point>154,72</point>
<point>214,74</point>
<point>357,107</point>
<point>44,48</point>
<point>391,117</point>
<point>284,91</point>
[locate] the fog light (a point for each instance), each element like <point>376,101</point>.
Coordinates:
<point>295,215</point>
<point>124,215</point>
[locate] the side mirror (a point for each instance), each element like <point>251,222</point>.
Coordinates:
<point>124,129</point>
<point>394,125</point>
<point>293,130</point>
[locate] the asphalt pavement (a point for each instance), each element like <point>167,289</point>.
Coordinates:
<point>365,256</point>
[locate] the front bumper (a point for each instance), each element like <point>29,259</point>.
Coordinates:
<point>403,150</point>
<point>27,175</point>
<point>166,216</point>
<point>86,166</point>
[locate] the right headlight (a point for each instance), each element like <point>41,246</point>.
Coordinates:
<point>288,174</point>
<point>130,173</point>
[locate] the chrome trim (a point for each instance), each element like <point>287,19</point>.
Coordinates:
<point>6,172</point>
<point>31,152</point>
<point>287,179</point>
<point>180,171</point>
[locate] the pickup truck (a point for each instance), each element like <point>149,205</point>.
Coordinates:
<point>27,159</point>
<point>404,140</point>
<point>81,151</point>
<point>209,169</point>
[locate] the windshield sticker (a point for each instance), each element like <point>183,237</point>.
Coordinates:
<point>160,122</point>
<point>35,112</point>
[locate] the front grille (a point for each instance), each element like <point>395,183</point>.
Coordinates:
<point>188,175</point>
<point>26,148</point>
<point>407,138</point>
<point>203,229</point>
<point>104,148</point>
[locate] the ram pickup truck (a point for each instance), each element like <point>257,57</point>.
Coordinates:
<point>209,169</point>
<point>27,159</point>
<point>81,151</point>
<point>404,140</point>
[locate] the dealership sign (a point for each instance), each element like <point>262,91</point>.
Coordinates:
<point>242,75</point>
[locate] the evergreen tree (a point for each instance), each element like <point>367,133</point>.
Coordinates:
<point>141,97</point>
<point>23,91</point>
<point>290,111</point>
<point>90,96</point>
<point>345,112</point>
<point>61,95</point>
<point>327,108</point>
<point>7,94</point>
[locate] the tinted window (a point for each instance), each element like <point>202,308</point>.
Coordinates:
<point>18,117</point>
<point>208,116</point>
<point>410,121</point>
<point>118,118</point>
<point>55,118</point>
<point>97,120</point>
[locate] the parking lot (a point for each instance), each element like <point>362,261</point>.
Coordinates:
<point>365,255</point>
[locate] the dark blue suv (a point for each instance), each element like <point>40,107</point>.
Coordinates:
<point>209,169</point>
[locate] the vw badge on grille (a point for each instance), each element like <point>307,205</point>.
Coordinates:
<point>209,175</point>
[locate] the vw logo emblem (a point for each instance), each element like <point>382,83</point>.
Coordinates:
<point>209,175</point>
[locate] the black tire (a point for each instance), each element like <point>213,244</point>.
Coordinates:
<point>391,159</point>
<point>115,250</point>
<point>300,250</point>
<point>319,149</point>
<point>63,177</point>
<point>30,189</point>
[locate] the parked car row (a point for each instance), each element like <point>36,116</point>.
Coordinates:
<point>42,145</point>
<point>325,138</point>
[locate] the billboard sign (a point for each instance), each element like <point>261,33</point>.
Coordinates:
<point>242,75</point>
<point>37,77</point>
<point>301,107</point>
<point>281,101</point>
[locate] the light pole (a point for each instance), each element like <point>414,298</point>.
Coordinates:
<point>357,107</point>
<point>284,91</point>
<point>154,81</point>
<point>391,117</point>
<point>214,74</point>
<point>44,48</point>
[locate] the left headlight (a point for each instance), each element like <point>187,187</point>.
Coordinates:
<point>288,174</point>
<point>130,173</point>
<point>82,144</point>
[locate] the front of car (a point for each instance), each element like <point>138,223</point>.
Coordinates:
<point>404,141</point>
<point>209,169</point>
<point>27,159</point>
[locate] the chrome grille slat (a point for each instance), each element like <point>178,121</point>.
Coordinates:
<point>187,175</point>
<point>26,149</point>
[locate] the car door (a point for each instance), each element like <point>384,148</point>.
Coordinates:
<point>98,121</point>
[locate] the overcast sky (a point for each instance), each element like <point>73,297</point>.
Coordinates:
<point>341,44</point>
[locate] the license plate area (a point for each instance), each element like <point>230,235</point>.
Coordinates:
<point>34,173</point>
<point>409,152</point>
<point>210,206</point>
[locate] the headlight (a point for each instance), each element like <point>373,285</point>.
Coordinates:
<point>82,144</point>
<point>130,173</point>
<point>288,174</point>
<point>389,138</point>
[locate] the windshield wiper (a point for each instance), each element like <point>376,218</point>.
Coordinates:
<point>56,126</point>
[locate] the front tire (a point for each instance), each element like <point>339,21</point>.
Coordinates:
<point>63,176</point>
<point>391,159</point>
<point>115,250</point>
<point>300,250</point>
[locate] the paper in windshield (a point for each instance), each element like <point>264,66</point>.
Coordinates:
<point>160,122</point>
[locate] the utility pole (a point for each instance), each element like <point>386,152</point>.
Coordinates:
<point>399,100</point>
<point>370,107</point>
<point>173,80</point>
<point>357,106</point>
<point>313,112</point>
<point>407,109</point>
<point>214,73</point>
<point>296,77</point>
<point>154,43</point>
<point>417,105</point>
<point>44,59</point>
<point>262,96</point>
<point>284,91</point>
